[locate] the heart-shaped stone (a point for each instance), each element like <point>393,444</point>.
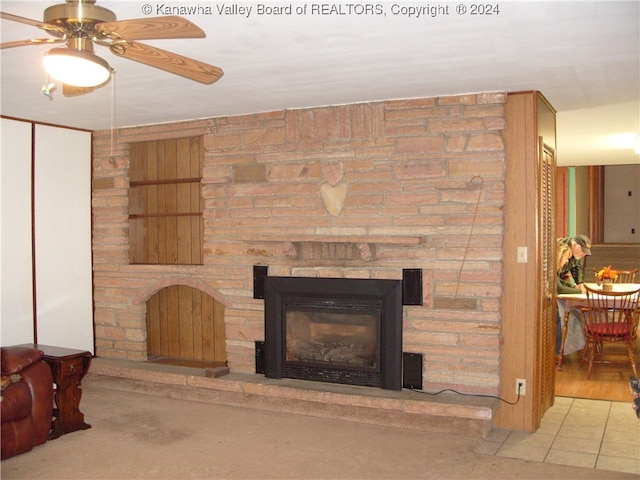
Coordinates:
<point>333,197</point>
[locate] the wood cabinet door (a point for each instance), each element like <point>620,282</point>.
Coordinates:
<point>185,323</point>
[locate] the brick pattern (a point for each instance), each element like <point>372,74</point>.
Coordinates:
<point>407,166</point>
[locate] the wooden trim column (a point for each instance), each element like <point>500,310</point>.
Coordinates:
<point>596,204</point>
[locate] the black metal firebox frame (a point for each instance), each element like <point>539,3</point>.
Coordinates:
<point>332,292</point>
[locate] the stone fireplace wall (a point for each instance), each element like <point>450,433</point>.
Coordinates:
<point>355,191</point>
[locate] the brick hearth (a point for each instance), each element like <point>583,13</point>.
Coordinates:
<point>444,413</point>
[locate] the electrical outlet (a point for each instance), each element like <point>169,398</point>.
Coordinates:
<point>521,386</point>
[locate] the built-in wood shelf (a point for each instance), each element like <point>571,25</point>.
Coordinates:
<point>134,216</point>
<point>170,181</point>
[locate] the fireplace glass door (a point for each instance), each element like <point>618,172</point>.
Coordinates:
<point>346,337</point>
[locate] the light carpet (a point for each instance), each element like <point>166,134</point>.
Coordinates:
<point>137,436</point>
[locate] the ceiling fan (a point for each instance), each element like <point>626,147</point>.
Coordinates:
<point>80,24</point>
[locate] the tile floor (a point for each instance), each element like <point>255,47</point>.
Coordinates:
<point>589,433</point>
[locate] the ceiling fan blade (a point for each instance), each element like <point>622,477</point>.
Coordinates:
<point>71,91</point>
<point>152,28</point>
<point>34,23</point>
<point>30,41</point>
<point>170,62</point>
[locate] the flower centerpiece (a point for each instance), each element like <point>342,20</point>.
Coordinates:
<point>606,276</point>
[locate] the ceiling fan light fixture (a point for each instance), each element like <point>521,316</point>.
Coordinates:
<point>78,68</point>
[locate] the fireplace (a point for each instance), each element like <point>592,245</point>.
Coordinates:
<point>334,330</point>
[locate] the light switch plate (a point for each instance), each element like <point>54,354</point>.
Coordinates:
<point>522,254</point>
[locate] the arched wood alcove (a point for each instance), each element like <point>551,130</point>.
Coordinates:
<point>186,325</point>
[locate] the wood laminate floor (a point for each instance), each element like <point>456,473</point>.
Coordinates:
<point>607,382</point>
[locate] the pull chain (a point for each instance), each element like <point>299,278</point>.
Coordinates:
<point>113,115</point>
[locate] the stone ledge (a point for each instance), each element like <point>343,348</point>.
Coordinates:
<point>357,239</point>
<point>447,413</point>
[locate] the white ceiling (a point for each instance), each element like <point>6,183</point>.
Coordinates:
<point>583,56</point>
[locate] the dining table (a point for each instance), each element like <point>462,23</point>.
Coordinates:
<point>567,301</point>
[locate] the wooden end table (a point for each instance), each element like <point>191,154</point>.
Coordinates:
<point>68,367</point>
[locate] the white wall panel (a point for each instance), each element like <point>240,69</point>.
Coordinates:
<point>62,220</point>
<point>16,288</point>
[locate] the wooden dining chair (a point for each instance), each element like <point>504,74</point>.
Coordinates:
<point>626,276</point>
<point>609,317</point>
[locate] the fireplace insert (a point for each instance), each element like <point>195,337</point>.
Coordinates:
<point>334,330</point>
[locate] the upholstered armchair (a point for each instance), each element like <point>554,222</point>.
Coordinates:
<point>27,400</point>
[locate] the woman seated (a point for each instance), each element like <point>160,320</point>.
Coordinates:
<point>565,283</point>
